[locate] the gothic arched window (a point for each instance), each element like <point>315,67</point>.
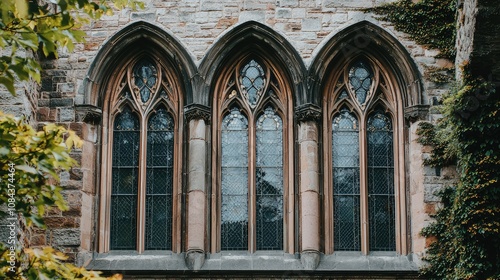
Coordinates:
<point>140,186</point>
<point>361,180</point>
<point>252,160</point>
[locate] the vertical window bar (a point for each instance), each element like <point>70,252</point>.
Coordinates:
<point>269,180</point>
<point>381,201</point>
<point>234,177</point>
<point>125,171</point>
<point>346,196</point>
<point>159,181</point>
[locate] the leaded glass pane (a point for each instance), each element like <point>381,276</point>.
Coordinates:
<point>381,201</point>
<point>269,178</point>
<point>234,173</point>
<point>125,167</point>
<point>145,77</point>
<point>360,78</point>
<point>159,180</point>
<point>252,82</point>
<point>343,94</point>
<point>345,162</point>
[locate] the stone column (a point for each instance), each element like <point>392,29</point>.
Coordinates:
<point>310,237</point>
<point>197,117</point>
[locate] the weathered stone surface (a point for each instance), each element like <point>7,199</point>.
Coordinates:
<point>310,260</point>
<point>65,237</point>
<point>195,260</point>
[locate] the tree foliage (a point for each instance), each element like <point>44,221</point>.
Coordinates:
<point>30,162</point>
<point>467,228</point>
<point>28,27</point>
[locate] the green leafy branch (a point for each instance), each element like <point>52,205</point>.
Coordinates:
<point>27,27</point>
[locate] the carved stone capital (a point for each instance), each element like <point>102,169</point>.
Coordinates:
<point>416,113</point>
<point>197,112</point>
<point>88,114</point>
<point>308,112</point>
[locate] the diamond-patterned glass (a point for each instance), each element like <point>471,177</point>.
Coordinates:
<point>124,181</point>
<point>145,78</point>
<point>252,81</point>
<point>343,94</point>
<point>269,180</point>
<point>159,180</point>
<point>345,162</point>
<point>234,172</point>
<point>360,79</point>
<point>381,203</point>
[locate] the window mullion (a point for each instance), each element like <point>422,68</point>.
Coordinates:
<point>363,188</point>
<point>251,185</point>
<point>141,203</point>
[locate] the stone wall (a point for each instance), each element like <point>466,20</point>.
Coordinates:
<point>197,25</point>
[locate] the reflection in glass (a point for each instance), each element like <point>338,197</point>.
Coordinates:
<point>381,183</point>
<point>234,173</point>
<point>159,180</point>
<point>346,199</point>
<point>125,164</point>
<point>360,78</point>
<point>269,178</point>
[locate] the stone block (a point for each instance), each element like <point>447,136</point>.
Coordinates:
<point>211,5</point>
<point>259,16</point>
<point>310,260</point>
<point>65,237</point>
<point>61,222</point>
<point>287,3</point>
<point>311,24</point>
<point>195,260</point>
<point>430,192</point>
<point>283,13</point>
<point>66,87</point>
<point>66,114</point>
<point>146,16</point>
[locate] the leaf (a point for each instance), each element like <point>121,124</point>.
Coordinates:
<point>8,82</point>
<point>26,168</point>
<point>22,8</point>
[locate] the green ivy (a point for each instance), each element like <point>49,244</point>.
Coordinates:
<point>467,228</point>
<point>428,22</point>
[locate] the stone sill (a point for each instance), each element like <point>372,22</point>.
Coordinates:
<point>163,261</point>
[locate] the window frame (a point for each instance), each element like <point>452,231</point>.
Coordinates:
<point>281,102</point>
<point>385,82</point>
<point>119,82</point>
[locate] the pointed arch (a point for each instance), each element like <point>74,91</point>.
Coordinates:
<point>146,69</point>
<point>375,71</point>
<point>255,67</point>
<point>137,37</point>
<point>372,41</point>
<point>252,37</point>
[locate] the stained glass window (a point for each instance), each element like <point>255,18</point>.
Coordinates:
<point>381,183</point>
<point>342,95</point>
<point>346,195</point>
<point>234,172</point>
<point>145,77</point>
<point>269,180</point>
<point>124,181</point>
<point>360,79</point>
<point>252,80</point>
<point>159,180</point>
